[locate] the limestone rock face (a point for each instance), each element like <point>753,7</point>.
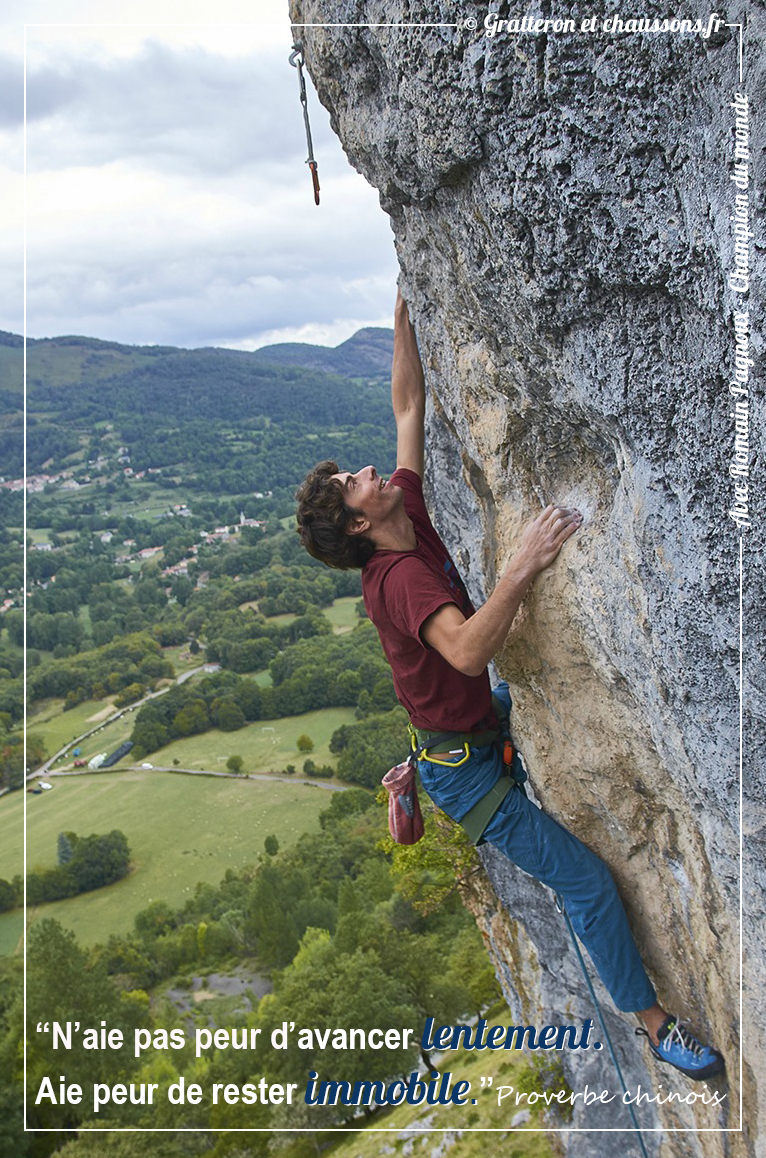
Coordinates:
<point>561,206</point>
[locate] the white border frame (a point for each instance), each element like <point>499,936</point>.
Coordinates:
<point>368,1129</point>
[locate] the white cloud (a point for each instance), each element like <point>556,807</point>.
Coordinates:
<point>168,198</point>
<point>187,109</point>
<point>160,258</point>
<point>116,27</point>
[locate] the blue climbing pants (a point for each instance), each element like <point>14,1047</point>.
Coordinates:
<point>547,851</point>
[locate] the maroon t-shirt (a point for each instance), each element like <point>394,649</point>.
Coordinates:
<point>401,589</point>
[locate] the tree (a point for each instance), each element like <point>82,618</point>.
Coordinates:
<point>11,758</point>
<point>155,920</point>
<point>271,845</point>
<point>276,911</point>
<point>65,846</point>
<point>63,986</point>
<point>8,899</point>
<point>355,991</point>
<point>368,749</point>
<point>348,686</point>
<point>150,593</point>
<point>155,667</point>
<point>148,736</point>
<point>468,960</point>
<point>181,590</point>
<point>123,1143</point>
<point>348,803</point>
<point>14,622</point>
<point>51,885</point>
<point>129,695</point>
<point>100,860</point>
<point>191,719</point>
<point>248,697</point>
<point>304,743</point>
<point>383,697</point>
<point>234,763</point>
<point>230,716</point>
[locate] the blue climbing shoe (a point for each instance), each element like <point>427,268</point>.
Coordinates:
<point>680,1048</point>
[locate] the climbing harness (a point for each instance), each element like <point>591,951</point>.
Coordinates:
<point>559,903</point>
<point>429,745</point>
<point>296,60</point>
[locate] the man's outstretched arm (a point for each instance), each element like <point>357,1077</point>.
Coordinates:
<point>408,392</point>
<point>469,644</point>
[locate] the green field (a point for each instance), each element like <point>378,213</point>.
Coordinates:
<point>158,806</point>
<point>182,659</point>
<point>84,617</point>
<point>105,740</point>
<point>57,727</point>
<point>11,929</point>
<point>181,829</point>
<point>12,648</point>
<point>283,620</point>
<point>266,746</point>
<point>342,614</point>
<point>65,365</point>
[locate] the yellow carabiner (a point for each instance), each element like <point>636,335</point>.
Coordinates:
<point>448,763</point>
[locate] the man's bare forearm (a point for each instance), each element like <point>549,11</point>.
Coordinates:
<point>469,644</point>
<point>408,392</point>
<point>408,389</point>
<point>482,635</point>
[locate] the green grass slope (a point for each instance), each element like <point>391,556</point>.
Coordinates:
<point>181,829</point>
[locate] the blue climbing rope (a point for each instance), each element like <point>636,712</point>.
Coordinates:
<point>561,908</point>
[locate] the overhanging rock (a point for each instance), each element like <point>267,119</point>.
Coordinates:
<point>562,206</point>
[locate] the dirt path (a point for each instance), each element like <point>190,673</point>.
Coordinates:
<point>107,711</point>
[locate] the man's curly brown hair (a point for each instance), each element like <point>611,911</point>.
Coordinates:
<point>323,520</point>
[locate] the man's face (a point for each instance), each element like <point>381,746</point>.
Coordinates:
<point>366,492</point>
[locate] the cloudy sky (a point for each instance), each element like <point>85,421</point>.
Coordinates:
<point>167,196</point>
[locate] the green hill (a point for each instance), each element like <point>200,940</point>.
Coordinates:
<point>367,352</point>
<point>173,407</point>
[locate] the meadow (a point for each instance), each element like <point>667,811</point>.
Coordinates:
<point>342,613</point>
<point>57,727</point>
<point>222,821</point>
<point>265,746</point>
<point>181,829</point>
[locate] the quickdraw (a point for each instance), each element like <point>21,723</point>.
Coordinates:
<point>296,60</point>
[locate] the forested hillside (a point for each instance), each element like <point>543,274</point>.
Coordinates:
<point>239,419</point>
<point>159,484</point>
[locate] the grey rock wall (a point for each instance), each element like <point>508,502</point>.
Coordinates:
<point>561,211</point>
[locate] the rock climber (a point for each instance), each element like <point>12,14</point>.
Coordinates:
<point>439,647</point>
